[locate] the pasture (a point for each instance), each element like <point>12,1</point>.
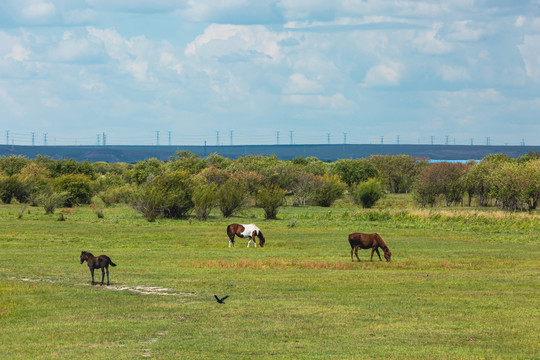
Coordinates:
<point>462,284</point>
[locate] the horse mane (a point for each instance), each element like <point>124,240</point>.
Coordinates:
<point>382,243</point>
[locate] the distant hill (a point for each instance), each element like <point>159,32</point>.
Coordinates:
<point>134,153</point>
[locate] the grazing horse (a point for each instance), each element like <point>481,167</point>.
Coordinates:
<point>243,231</point>
<point>102,261</point>
<point>368,241</point>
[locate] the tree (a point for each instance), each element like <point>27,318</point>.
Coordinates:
<point>397,172</point>
<point>204,199</point>
<point>328,188</point>
<point>354,171</point>
<point>367,193</point>
<point>270,198</point>
<point>230,197</point>
<point>78,187</point>
<point>143,170</point>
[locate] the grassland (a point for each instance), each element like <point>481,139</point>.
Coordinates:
<point>463,284</point>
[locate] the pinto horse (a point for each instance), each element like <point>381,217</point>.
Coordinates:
<point>243,231</point>
<point>102,261</point>
<point>368,241</point>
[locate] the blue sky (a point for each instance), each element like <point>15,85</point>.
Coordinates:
<point>450,70</point>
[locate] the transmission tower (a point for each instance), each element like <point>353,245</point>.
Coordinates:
<point>157,138</point>
<point>291,134</point>
<point>170,132</point>
<point>277,137</point>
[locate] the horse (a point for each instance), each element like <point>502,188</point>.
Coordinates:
<point>243,231</point>
<point>102,261</point>
<point>367,241</point>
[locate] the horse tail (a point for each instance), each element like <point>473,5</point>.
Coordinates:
<point>111,263</point>
<point>229,231</point>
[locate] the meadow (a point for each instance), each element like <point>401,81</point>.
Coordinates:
<point>463,283</point>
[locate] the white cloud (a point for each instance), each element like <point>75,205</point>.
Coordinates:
<point>38,11</point>
<point>220,40</point>
<point>18,53</point>
<point>299,84</point>
<point>11,104</point>
<point>463,31</point>
<point>429,41</point>
<point>387,74</point>
<point>530,53</point>
<point>337,101</point>
<point>453,73</point>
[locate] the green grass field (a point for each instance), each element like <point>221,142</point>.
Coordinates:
<point>463,284</point>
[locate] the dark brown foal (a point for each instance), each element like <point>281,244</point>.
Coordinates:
<point>368,241</point>
<point>102,261</point>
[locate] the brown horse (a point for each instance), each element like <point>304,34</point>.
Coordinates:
<point>243,231</point>
<point>102,261</point>
<point>368,241</point>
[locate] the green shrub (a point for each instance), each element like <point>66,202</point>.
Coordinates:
<point>231,196</point>
<point>328,189</point>
<point>13,187</point>
<point>367,193</point>
<point>97,205</point>
<point>117,195</point>
<point>204,198</point>
<point>149,201</point>
<point>77,186</point>
<point>270,198</point>
<point>50,200</point>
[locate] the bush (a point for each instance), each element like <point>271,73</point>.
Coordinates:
<point>231,197</point>
<point>117,195</point>
<point>354,171</point>
<point>78,188</point>
<point>149,201</point>
<point>204,198</point>
<point>176,189</point>
<point>328,189</point>
<point>97,206</point>
<point>270,198</point>
<point>13,187</point>
<point>50,200</point>
<point>367,193</point>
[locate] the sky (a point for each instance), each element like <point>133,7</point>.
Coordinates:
<point>269,71</point>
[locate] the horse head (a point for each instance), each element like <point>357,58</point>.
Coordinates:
<point>261,239</point>
<point>387,254</point>
<point>84,256</point>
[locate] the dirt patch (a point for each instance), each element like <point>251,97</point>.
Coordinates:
<point>33,280</point>
<point>148,290</point>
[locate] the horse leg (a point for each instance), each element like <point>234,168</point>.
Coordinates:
<point>377,250</point>
<point>102,275</point>
<point>107,268</point>
<point>249,241</point>
<point>254,239</point>
<point>352,249</point>
<point>92,272</point>
<point>372,251</point>
<point>356,253</point>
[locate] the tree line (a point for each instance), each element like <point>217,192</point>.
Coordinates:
<point>187,184</point>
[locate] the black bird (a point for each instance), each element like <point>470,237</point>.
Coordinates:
<point>221,300</point>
